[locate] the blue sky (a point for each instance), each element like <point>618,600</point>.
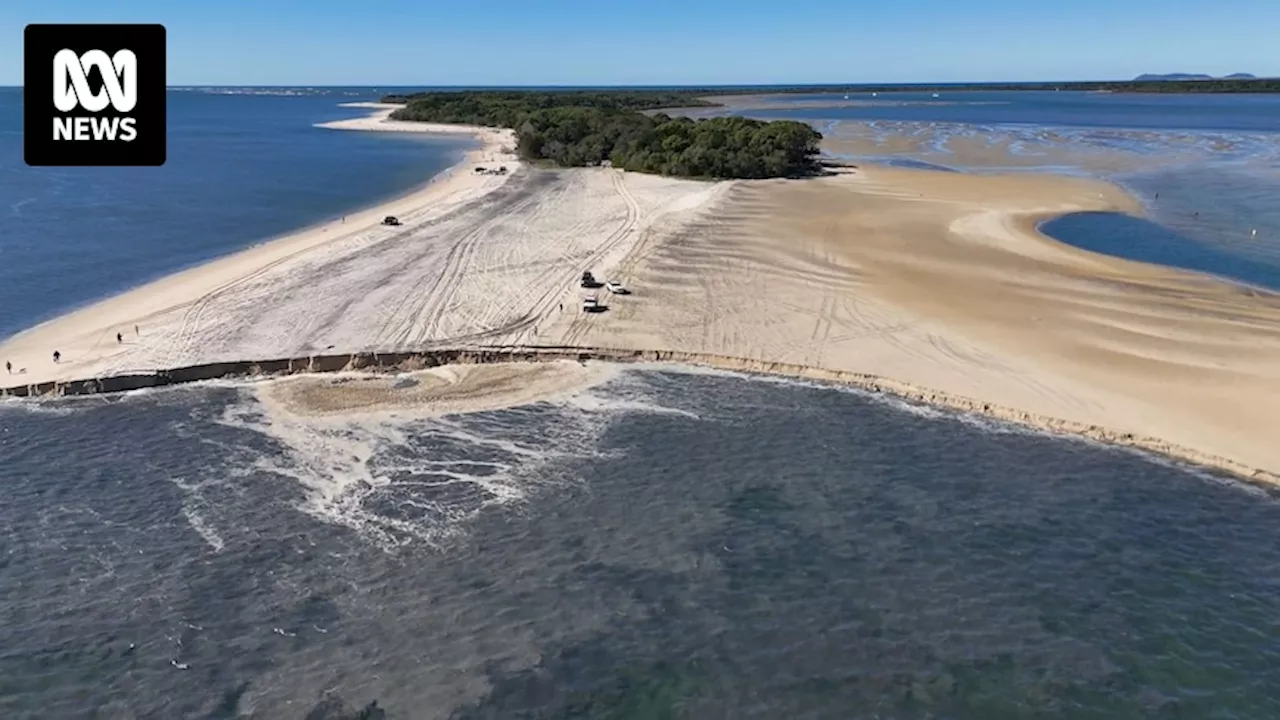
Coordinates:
<point>576,42</point>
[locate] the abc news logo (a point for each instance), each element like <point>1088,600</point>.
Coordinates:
<point>94,95</point>
<point>71,90</point>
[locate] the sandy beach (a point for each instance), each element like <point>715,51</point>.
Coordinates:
<point>936,281</point>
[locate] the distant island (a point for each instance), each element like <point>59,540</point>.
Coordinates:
<point>1218,85</point>
<point>1148,77</point>
<point>584,128</point>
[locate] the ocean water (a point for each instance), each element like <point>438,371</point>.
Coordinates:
<point>1225,112</point>
<point>1207,167</point>
<point>665,545</point>
<point>241,169</point>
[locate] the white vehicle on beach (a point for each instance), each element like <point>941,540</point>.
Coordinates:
<point>590,303</point>
<point>616,288</point>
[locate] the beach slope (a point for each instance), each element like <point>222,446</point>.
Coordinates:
<point>937,283</point>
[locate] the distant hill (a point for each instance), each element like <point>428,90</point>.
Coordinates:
<point>1150,77</point>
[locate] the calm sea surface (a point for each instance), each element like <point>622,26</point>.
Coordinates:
<point>1206,166</point>
<point>663,546</point>
<point>666,545</point>
<point>241,169</point>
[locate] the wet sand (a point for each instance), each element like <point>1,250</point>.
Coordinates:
<point>436,391</point>
<point>937,283</point>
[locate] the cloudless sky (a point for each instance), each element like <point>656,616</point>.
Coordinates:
<point>619,42</point>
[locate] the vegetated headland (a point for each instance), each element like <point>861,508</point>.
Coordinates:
<point>588,128</point>
<point>930,285</point>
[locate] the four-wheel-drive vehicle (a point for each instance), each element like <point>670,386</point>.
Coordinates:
<point>391,220</point>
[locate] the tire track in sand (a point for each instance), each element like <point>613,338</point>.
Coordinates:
<point>578,327</point>
<point>190,325</point>
<point>420,310</point>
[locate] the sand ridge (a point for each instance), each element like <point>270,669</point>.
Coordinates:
<point>939,282</point>
<point>935,283</point>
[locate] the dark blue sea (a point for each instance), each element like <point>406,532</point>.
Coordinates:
<point>1207,167</point>
<point>241,169</point>
<point>664,545</point>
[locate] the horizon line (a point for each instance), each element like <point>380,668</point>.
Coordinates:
<point>675,86</point>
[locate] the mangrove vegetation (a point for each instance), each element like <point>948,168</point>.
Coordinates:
<point>584,128</point>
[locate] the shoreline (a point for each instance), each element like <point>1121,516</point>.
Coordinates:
<point>935,287</point>
<point>329,222</point>
<point>437,195</point>
<point>375,364</point>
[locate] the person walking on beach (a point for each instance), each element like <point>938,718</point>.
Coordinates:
<point>8,367</point>
<point>57,356</point>
<point>135,330</point>
<point>119,338</point>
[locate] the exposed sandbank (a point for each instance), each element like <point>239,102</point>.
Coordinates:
<point>435,391</point>
<point>939,281</point>
<point>927,284</point>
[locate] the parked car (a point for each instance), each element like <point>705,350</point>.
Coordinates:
<point>391,220</point>
<point>616,288</point>
<point>589,280</point>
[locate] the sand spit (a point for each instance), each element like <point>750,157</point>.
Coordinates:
<point>498,145</point>
<point>436,391</point>
<point>199,314</point>
<point>930,285</point>
<point>479,258</point>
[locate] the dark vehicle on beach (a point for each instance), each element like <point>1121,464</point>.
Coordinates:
<point>391,220</point>
<point>589,280</point>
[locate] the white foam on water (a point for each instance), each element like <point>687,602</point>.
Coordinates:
<point>627,392</point>
<point>52,406</point>
<point>375,474</point>
<point>194,507</point>
<point>203,528</point>
<point>881,398</point>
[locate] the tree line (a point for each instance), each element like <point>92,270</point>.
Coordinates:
<point>583,128</point>
<point>698,96</point>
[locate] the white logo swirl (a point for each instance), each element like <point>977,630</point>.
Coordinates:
<point>119,81</point>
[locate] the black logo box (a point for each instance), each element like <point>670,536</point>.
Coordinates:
<point>41,43</point>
